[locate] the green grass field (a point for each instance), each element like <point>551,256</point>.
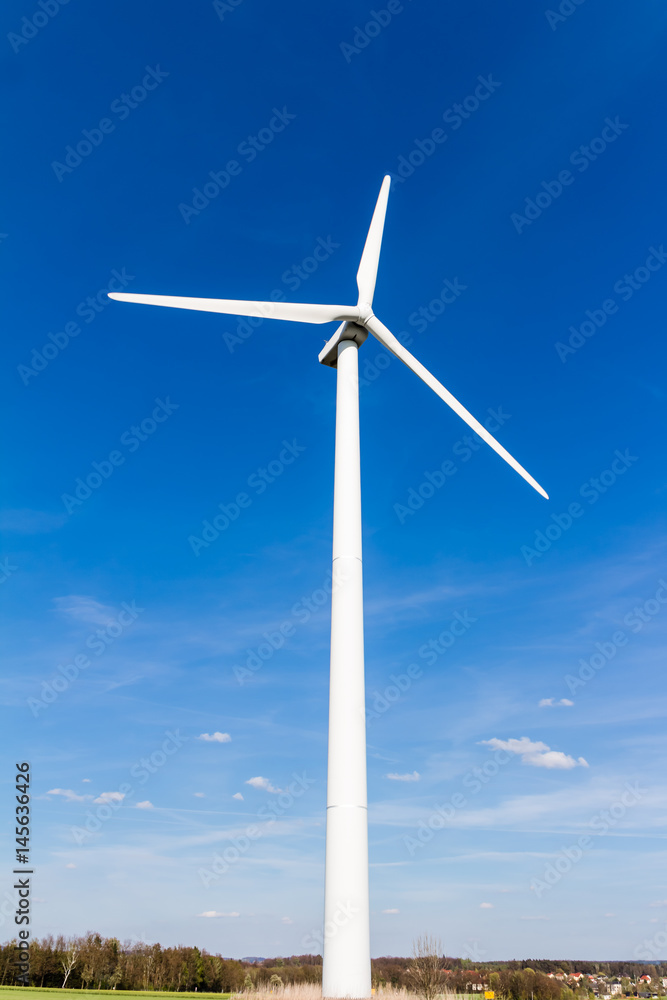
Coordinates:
<point>20,993</point>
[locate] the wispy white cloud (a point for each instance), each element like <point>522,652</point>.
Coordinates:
<point>552,703</point>
<point>69,795</point>
<point>412,605</point>
<point>86,780</point>
<point>262,783</point>
<point>199,795</point>
<point>393,910</point>
<point>70,866</point>
<point>536,753</point>
<point>237,795</point>
<point>146,804</point>
<point>106,797</point>
<point>215,737</point>
<point>555,759</point>
<point>486,906</point>
<point>215,913</point>
<point>286,920</point>
<point>85,609</point>
<point>566,808</point>
<point>373,752</point>
<point>410,776</point>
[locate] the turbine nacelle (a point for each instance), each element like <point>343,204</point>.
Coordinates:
<point>346,331</point>
<point>356,322</point>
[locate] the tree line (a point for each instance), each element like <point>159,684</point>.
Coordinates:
<point>95,962</point>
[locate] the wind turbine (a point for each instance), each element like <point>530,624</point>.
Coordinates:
<point>346,953</point>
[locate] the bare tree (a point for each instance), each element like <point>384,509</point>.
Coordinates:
<point>68,960</point>
<point>425,971</point>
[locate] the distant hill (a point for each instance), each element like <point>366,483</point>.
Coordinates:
<point>253,959</point>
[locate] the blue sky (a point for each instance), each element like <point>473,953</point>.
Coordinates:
<point>541,200</point>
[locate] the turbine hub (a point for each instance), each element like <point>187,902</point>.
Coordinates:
<point>365,312</point>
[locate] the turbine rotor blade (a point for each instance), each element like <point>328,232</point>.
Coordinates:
<point>370,258</point>
<point>298,312</point>
<point>388,340</point>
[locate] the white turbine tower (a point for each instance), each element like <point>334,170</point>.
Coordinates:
<point>346,953</point>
